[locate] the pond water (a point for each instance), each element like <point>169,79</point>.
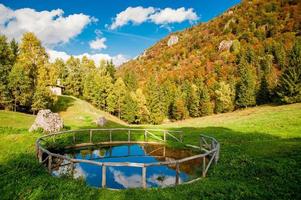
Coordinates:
<point>129,177</point>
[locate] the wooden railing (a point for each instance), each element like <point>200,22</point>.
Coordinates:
<point>209,147</point>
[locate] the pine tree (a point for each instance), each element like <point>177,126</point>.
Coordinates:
<point>193,102</point>
<point>15,49</point>
<point>110,68</point>
<point>102,89</point>
<point>179,110</point>
<point>20,86</point>
<point>205,102</point>
<point>264,93</point>
<point>73,83</point>
<point>142,113</point>
<point>116,97</point>
<point>289,87</point>
<point>224,96</point>
<point>246,86</point>
<point>130,80</point>
<point>129,108</point>
<point>155,105</point>
<point>6,63</point>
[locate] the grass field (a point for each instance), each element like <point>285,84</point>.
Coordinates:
<point>260,157</point>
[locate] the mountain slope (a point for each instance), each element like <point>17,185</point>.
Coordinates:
<point>259,26</point>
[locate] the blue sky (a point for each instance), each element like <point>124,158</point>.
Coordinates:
<point>117,27</point>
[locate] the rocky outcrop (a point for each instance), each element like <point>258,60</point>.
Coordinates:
<point>48,121</point>
<point>101,121</point>
<point>172,40</point>
<point>225,45</point>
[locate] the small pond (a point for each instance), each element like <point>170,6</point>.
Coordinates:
<point>129,177</point>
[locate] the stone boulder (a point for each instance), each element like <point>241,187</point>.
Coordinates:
<point>101,121</point>
<point>48,121</point>
<point>225,45</point>
<point>172,40</point>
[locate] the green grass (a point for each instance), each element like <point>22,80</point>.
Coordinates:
<point>260,159</point>
<point>77,113</point>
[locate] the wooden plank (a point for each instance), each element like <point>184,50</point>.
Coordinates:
<point>110,135</point>
<point>129,135</point>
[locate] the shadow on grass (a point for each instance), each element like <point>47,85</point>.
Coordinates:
<point>251,166</point>
<point>63,103</point>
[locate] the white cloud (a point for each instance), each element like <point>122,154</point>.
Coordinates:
<point>169,15</point>
<point>98,43</point>
<point>51,27</point>
<point>138,15</point>
<point>117,59</point>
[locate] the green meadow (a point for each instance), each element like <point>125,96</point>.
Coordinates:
<point>260,156</point>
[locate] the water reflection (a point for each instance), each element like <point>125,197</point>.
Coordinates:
<point>129,177</point>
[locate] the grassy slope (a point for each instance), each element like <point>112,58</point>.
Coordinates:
<point>260,159</point>
<point>77,113</point>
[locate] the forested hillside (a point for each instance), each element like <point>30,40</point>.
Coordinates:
<point>244,57</point>
<point>248,56</point>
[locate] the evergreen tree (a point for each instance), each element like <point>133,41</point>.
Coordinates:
<point>246,86</point>
<point>224,96</point>
<point>101,90</point>
<point>289,87</point>
<point>179,110</point>
<point>130,81</point>
<point>111,70</point>
<point>6,63</point>
<point>15,49</point>
<point>264,93</point>
<point>129,108</point>
<point>116,97</point>
<point>73,83</point>
<point>155,105</point>
<point>57,71</point>
<point>205,102</point>
<point>142,113</point>
<point>20,86</point>
<point>193,102</point>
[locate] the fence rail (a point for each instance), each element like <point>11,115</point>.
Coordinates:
<point>210,149</point>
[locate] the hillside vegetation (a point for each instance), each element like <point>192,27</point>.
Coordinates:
<point>260,159</point>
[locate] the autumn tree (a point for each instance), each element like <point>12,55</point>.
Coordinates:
<point>129,108</point>
<point>224,98</point>
<point>73,82</point>
<point>142,112</point>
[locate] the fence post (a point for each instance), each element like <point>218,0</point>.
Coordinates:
<point>103,181</point>
<point>204,167</point>
<point>40,155</point>
<point>72,168</point>
<point>145,135</point>
<point>49,163</point>
<point>177,173</point>
<point>144,177</point>
<point>91,135</point>
<point>129,135</point>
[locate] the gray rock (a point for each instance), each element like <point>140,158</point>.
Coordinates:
<point>101,121</point>
<point>225,45</point>
<point>172,40</point>
<point>48,121</point>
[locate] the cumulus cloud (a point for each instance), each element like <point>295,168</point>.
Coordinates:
<point>169,15</point>
<point>98,43</point>
<point>138,15</point>
<point>51,27</point>
<point>117,59</point>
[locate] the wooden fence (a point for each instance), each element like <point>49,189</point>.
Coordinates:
<point>209,146</point>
